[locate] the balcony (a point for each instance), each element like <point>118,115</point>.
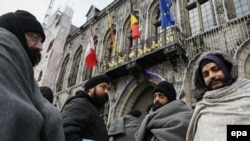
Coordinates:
<point>164,46</point>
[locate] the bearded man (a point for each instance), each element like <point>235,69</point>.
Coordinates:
<point>25,114</point>
<point>81,113</point>
<point>169,118</point>
<point>223,97</point>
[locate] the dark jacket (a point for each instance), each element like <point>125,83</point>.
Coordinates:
<point>81,119</point>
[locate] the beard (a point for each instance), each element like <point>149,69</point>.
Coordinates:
<point>157,105</point>
<point>100,99</point>
<point>222,80</point>
<point>35,56</point>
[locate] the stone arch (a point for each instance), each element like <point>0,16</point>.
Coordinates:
<point>243,57</point>
<point>187,82</point>
<point>59,84</point>
<point>136,95</point>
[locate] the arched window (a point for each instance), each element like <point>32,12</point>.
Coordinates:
<point>50,45</point>
<point>201,16</point>
<point>59,83</point>
<point>75,67</point>
<point>40,76</point>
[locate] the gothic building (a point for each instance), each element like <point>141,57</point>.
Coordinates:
<point>159,54</point>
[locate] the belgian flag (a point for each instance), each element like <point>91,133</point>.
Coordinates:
<point>134,27</point>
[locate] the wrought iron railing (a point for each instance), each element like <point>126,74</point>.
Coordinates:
<point>163,40</point>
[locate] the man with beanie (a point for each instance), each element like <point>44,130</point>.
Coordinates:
<point>169,118</point>
<point>125,127</point>
<point>223,97</point>
<point>25,114</point>
<point>82,112</point>
<point>47,93</point>
<point>27,30</point>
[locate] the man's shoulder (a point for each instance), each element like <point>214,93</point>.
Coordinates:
<point>242,82</point>
<point>9,38</point>
<point>79,100</point>
<point>245,79</point>
<point>3,30</point>
<point>176,102</point>
<point>6,33</point>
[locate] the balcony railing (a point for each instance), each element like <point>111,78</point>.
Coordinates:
<point>145,54</point>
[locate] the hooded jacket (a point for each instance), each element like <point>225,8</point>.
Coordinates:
<point>221,107</point>
<point>82,120</point>
<point>124,128</point>
<point>24,114</point>
<point>198,88</point>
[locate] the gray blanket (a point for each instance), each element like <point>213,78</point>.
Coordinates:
<point>219,108</point>
<point>24,114</point>
<point>169,123</point>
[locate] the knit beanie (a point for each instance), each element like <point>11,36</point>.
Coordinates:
<point>95,81</point>
<point>47,93</point>
<point>135,113</point>
<point>30,23</point>
<point>224,66</point>
<point>166,88</point>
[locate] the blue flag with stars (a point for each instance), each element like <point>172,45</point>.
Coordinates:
<point>167,19</point>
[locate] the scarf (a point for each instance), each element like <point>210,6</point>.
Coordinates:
<point>219,108</point>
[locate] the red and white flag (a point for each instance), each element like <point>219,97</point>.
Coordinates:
<point>90,53</point>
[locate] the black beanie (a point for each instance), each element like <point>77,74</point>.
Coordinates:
<point>135,113</point>
<point>166,88</point>
<point>30,23</point>
<point>95,81</point>
<point>47,93</point>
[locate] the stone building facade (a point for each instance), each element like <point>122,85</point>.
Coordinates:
<point>160,54</point>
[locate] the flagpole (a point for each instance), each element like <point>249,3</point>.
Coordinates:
<point>112,36</point>
<point>131,7</point>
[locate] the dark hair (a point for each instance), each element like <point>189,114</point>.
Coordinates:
<point>135,113</point>
<point>149,107</point>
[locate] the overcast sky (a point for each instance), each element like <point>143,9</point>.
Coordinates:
<point>39,7</point>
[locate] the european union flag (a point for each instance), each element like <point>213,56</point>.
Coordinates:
<point>167,18</point>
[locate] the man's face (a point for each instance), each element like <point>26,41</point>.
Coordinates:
<point>34,41</point>
<point>213,76</point>
<point>160,99</point>
<point>100,93</point>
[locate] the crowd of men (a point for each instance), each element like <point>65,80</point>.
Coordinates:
<point>27,115</point>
